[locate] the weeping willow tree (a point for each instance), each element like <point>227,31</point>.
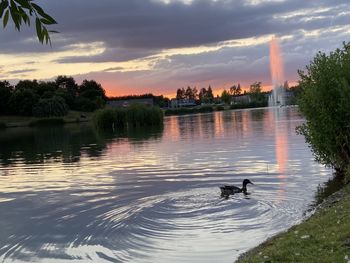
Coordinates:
<point>22,12</point>
<point>325,103</point>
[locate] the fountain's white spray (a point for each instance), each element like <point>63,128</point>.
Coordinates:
<point>277,76</point>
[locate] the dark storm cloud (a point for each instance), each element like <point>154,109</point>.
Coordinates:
<point>140,27</point>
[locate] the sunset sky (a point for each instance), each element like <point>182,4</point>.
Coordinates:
<point>158,46</point>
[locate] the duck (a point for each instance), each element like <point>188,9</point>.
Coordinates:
<point>231,189</point>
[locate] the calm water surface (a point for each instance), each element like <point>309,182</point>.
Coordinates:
<point>70,194</point>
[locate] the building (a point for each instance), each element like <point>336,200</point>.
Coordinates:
<point>175,103</point>
<point>128,102</point>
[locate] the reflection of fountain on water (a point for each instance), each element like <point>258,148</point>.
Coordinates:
<point>278,94</point>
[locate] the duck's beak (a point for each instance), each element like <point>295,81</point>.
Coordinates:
<point>250,182</point>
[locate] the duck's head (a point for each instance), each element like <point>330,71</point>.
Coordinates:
<point>246,181</point>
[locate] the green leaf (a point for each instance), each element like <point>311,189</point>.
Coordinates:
<point>3,6</point>
<point>6,18</point>
<point>39,31</point>
<point>15,16</point>
<point>24,4</point>
<point>43,14</point>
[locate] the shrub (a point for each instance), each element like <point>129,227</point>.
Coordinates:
<point>52,107</point>
<point>325,103</point>
<point>133,116</point>
<point>109,119</point>
<point>2,125</point>
<point>143,115</point>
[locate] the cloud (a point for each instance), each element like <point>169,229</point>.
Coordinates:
<point>19,71</point>
<point>180,43</point>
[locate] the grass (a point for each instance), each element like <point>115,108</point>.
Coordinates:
<point>324,237</point>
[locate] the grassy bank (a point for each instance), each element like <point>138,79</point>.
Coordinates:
<point>23,121</point>
<point>324,237</point>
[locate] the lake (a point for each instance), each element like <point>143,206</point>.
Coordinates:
<point>72,194</point>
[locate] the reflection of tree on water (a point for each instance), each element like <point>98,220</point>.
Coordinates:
<point>64,143</point>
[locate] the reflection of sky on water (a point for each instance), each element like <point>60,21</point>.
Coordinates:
<point>74,194</point>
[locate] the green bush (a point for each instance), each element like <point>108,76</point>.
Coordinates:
<point>52,107</point>
<point>2,125</point>
<point>109,119</point>
<point>47,122</point>
<point>144,115</point>
<point>133,116</point>
<point>325,103</point>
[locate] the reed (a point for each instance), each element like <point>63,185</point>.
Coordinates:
<point>133,116</point>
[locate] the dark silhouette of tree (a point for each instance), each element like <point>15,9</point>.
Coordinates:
<point>180,94</point>
<point>6,91</point>
<point>191,94</point>
<point>210,94</point>
<point>235,90</point>
<point>225,97</point>
<point>255,92</point>
<point>22,101</point>
<point>67,89</point>
<point>203,95</point>
<point>91,96</point>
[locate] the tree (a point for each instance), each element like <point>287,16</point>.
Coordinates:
<point>210,95</point>
<point>6,91</point>
<point>67,89</point>
<point>325,103</point>
<point>91,93</point>
<point>52,107</point>
<point>27,84</point>
<point>226,97</point>
<point>191,94</point>
<point>21,11</point>
<point>22,102</point>
<point>180,94</point>
<point>235,90</point>
<point>255,92</point>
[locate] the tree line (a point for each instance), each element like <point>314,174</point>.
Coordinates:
<point>204,95</point>
<point>160,101</point>
<point>50,98</point>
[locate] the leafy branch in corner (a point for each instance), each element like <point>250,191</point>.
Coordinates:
<point>21,11</point>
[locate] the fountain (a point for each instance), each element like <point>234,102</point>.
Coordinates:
<point>278,94</point>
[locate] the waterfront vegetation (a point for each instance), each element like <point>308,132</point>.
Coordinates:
<point>11,121</point>
<point>134,116</point>
<point>325,103</point>
<point>324,100</point>
<point>324,237</point>
<point>50,98</point>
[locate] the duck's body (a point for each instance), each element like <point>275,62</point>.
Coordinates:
<point>231,189</point>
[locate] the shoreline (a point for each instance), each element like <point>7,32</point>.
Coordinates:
<point>7,122</point>
<point>324,236</point>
